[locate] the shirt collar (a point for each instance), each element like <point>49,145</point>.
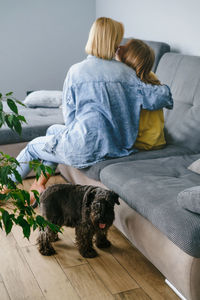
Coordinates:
<point>90,56</point>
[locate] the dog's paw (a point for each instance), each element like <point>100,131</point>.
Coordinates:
<point>103,244</point>
<point>47,251</point>
<point>90,253</point>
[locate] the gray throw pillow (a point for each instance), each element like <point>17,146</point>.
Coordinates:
<point>195,166</point>
<point>190,199</point>
<point>44,99</point>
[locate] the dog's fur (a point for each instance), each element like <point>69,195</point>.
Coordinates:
<point>87,208</point>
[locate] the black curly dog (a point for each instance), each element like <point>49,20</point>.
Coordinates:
<point>87,208</point>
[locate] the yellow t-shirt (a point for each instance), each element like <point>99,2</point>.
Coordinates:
<point>151,130</point>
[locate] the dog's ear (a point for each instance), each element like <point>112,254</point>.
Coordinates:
<point>115,198</point>
<point>87,200</point>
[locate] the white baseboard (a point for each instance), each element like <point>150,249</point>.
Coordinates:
<point>174,289</point>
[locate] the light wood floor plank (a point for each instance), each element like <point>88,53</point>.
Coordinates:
<point>114,276</point>
<point>21,240</point>
<point>3,292</point>
<point>67,253</point>
<point>15,272</point>
<point>137,294</point>
<point>87,283</point>
<point>51,279</point>
<point>145,274</point>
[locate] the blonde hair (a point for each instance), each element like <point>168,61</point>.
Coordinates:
<point>139,56</point>
<point>104,38</point>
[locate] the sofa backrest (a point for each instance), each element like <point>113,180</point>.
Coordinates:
<point>182,74</point>
<point>159,48</point>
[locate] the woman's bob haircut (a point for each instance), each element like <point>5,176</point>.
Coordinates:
<point>104,38</point>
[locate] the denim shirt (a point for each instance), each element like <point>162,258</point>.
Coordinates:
<point>102,100</point>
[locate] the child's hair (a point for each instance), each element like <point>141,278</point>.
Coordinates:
<point>139,56</point>
<point>104,38</point>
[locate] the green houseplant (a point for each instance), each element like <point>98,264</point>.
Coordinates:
<point>22,213</point>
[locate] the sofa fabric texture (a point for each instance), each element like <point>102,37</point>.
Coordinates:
<point>151,187</point>
<point>190,199</point>
<point>38,120</point>
<point>182,74</point>
<point>94,171</point>
<point>195,166</point>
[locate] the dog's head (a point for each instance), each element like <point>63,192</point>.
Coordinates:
<point>100,204</point>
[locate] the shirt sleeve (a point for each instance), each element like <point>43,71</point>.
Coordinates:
<point>68,102</point>
<point>156,96</point>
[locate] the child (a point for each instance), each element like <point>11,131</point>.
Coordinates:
<point>139,56</point>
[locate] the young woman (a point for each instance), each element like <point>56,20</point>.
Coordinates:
<point>102,99</point>
<point>139,56</point>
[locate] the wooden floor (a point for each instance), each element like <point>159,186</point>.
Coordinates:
<point>120,273</point>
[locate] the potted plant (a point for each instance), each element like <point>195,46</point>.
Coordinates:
<point>22,213</point>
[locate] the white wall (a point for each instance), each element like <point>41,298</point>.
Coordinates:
<point>40,40</point>
<point>176,22</point>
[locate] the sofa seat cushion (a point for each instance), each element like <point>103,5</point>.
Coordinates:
<point>190,199</point>
<point>170,150</point>
<point>151,187</point>
<point>38,120</point>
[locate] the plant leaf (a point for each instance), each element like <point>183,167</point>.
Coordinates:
<point>19,102</point>
<point>17,125</point>
<point>9,94</point>
<point>4,172</point>
<point>2,196</point>
<point>49,170</point>
<point>12,105</point>
<point>54,227</point>
<point>41,221</point>
<point>1,106</point>
<point>26,230</point>
<point>17,176</point>
<point>2,118</point>
<point>21,118</point>
<point>7,221</point>
<point>10,125</point>
<point>10,119</point>
<point>25,226</point>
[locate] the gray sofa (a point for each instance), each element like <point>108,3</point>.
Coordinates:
<point>148,182</point>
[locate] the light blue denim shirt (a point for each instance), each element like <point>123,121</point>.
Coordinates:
<point>102,100</point>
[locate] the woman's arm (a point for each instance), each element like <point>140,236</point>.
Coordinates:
<point>155,96</point>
